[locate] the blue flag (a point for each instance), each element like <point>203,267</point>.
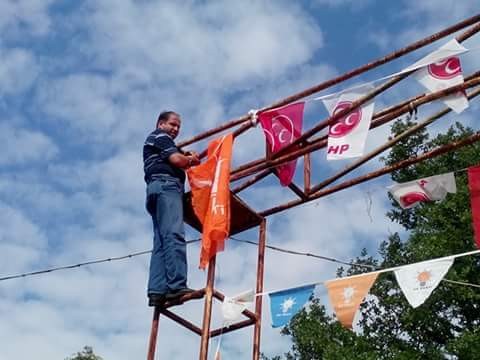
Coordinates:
<point>286,303</point>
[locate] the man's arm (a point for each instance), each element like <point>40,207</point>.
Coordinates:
<point>184,161</point>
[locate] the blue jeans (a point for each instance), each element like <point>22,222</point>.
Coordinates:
<point>168,264</point>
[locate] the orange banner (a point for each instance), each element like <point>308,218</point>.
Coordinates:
<point>347,294</point>
<point>210,184</point>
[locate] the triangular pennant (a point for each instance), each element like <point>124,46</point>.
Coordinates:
<point>210,184</point>
<point>474,186</point>
<point>232,310</point>
<point>286,303</point>
<point>347,136</point>
<point>347,294</point>
<point>417,281</point>
<point>433,188</point>
<point>283,126</point>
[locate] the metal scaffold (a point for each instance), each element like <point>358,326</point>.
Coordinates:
<point>243,217</point>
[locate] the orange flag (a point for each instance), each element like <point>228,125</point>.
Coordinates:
<point>347,294</point>
<point>210,184</point>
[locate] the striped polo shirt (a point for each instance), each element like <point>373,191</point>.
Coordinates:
<point>156,150</point>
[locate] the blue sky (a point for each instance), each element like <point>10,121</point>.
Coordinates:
<point>81,83</point>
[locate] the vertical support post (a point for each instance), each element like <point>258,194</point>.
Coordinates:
<point>153,334</point>
<point>259,289</point>
<point>207,311</point>
<point>306,173</point>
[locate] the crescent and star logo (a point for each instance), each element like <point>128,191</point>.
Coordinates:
<point>445,69</point>
<point>283,130</point>
<point>412,198</point>
<point>346,124</point>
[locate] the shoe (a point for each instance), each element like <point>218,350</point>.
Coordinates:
<point>178,293</point>
<point>156,299</point>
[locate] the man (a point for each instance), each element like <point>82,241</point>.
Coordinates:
<point>164,164</point>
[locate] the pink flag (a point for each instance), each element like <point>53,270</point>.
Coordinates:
<point>474,186</point>
<point>283,126</point>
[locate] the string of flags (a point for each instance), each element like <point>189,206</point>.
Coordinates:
<point>282,126</point>
<point>417,282</point>
<point>438,70</point>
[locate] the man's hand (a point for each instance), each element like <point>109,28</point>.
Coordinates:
<point>194,159</point>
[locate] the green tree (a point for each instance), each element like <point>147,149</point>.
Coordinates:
<point>447,325</point>
<point>85,354</point>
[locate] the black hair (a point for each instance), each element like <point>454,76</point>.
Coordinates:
<point>164,116</point>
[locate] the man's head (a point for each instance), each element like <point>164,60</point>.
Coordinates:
<point>169,121</point>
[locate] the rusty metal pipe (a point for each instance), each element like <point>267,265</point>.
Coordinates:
<point>372,175</point>
<point>387,145</point>
<point>416,103</point>
<point>348,75</point>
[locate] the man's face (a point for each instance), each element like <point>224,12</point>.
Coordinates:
<point>171,126</point>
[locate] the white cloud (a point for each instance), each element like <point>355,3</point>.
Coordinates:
<point>21,241</point>
<point>20,16</point>
<point>18,70</point>
<point>354,4</point>
<point>208,61</point>
<point>21,146</point>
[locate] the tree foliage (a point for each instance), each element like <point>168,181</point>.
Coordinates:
<point>85,354</point>
<point>446,326</point>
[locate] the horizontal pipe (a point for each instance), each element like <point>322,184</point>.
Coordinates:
<point>233,327</point>
<point>302,139</point>
<point>218,295</point>
<point>387,145</point>
<point>372,175</point>
<point>416,103</point>
<point>198,294</point>
<point>348,75</point>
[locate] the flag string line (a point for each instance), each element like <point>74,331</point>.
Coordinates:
<point>139,253</point>
<point>369,83</point>
<point>380,271</point>
<point>461,283</point>
<point>371,188</point>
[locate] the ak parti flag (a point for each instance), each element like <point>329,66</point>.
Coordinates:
<point>283,126</point>
<point>418,281</point>
<point>347,294</point>
<point>210,182</point>
<point>474,186</point>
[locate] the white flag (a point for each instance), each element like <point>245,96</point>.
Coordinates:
<point>417,281</point>
<point>347,136</point>
<point>232,307</point>
<point>433,188</point>
<point>449,49</point>
<point>441,69</point>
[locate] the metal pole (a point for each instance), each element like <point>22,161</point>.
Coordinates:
<point>296,153</point>
<point>207,312</point>
<point>307,173</point>
<point>302,141</point>
<point>372,175</point>
<point>348,75</point>
<point>152,344</point>
<point>387,145</point>
<point>258,301</point>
